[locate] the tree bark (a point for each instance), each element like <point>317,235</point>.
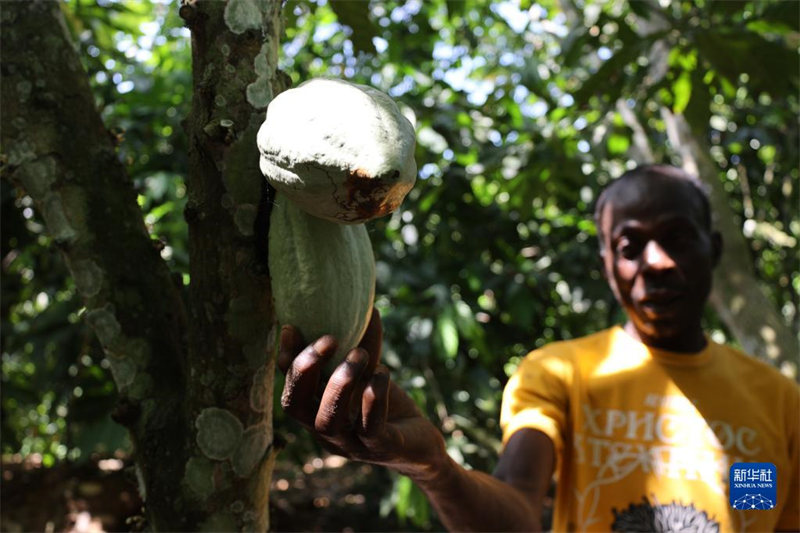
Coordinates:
<point>195,377</point>
<point>232,326</point>
<point>57,150</point>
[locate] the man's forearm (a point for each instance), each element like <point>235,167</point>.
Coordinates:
<point>468,500</point>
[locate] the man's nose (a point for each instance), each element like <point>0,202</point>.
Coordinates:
<point>656,258</point>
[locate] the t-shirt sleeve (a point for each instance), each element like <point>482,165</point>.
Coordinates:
<point>536,397</point>
<point>789,519</point>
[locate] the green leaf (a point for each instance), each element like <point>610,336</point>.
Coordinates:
<point>411,503</point>
<point>783,13</point>
<point>767,154</point>
<point>356,16</point>
<point>771,66</point>
<point>447,333</point>
<point>402,488</point>
<point>618,144</point>
<point>727,7</point>
<point>698,110</point>
<point>641,9</point>
<point>682,91</point>
<point>606,82</point>
<point>572,47</point>
<point>455,7</point>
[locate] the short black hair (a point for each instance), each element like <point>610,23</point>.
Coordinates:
<point>645,172</point>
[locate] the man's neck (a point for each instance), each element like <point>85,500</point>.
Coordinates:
<point>688,343</point>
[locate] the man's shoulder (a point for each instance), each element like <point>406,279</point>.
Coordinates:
<point>751,369</point>
<point>556,363</point>
<point>595,343</point>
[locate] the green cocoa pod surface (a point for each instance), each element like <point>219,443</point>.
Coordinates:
<point>323,275</point>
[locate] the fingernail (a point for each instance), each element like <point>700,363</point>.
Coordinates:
<point>356,357</point>
<point>325,344</point>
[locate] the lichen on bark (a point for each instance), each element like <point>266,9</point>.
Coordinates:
<point>219,433</point>
<point>88,277</point>
<point>199,477</point>
<point>243,15</point>
<point>251,449</point>
<point>259,93</point>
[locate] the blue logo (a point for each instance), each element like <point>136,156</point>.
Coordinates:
<point>754,486</point>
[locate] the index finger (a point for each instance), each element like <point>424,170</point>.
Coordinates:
<point>290,345</point>
<point>302,380</point>
<point>372,342</point>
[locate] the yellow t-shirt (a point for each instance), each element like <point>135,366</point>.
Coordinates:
<point>644,438</point>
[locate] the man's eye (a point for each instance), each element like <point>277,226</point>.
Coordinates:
<point>627,248</point>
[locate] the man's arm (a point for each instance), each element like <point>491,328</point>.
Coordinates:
<point>511,500</point>
<point>361,414</point>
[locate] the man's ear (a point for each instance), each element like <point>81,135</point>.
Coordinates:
<point>602,262</point>
<point>716,247</point>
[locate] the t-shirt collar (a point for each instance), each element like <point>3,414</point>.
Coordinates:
<point>665,356</point>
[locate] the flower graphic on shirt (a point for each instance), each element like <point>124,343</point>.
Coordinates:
<point>674,516</point>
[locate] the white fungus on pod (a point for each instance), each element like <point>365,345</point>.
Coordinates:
<point>340,151</point>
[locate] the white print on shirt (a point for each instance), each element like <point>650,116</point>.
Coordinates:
<point>670,439</point>
<point>668,428</point>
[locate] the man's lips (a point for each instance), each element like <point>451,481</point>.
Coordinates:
<point>661,295</point>
<point>660,301</point>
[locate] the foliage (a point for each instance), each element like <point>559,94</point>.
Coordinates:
<point>523,112</point>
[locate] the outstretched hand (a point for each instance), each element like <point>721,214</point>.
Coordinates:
<point>358,412</point>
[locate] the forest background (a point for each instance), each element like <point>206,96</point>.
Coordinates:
<point>523,112</point>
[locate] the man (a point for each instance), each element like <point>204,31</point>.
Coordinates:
<point>640,423</point>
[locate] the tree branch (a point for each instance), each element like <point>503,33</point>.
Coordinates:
<point>642,153</point>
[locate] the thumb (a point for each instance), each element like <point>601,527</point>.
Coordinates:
<point>375,405</point>
<point>372,340</point>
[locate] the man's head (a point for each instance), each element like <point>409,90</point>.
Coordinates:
<point>658,251</point>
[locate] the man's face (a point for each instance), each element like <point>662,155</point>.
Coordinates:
<point>658,257</point>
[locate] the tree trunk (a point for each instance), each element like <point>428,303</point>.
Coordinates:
<point>232,335</point>
<point>195,394</point>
